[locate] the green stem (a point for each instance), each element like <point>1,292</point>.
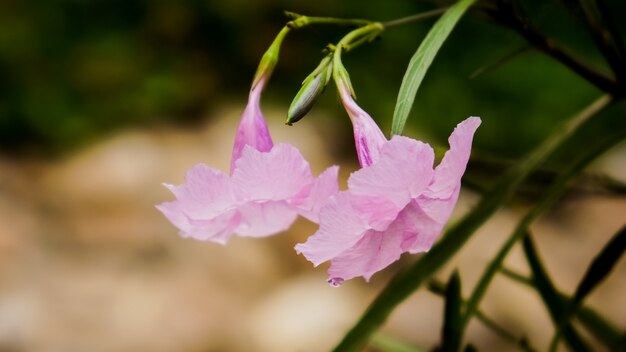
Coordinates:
<point>409,280</point>
<point>300,21</point>
<point>596,272</point>
<point>388,344</point>
<point>507,14</point>
<point>603,330</point>
<point>598,23</point>
<point>515,276</point>
<point>549,295</point>
<point>340,74</point>
<point>552,194</point>
<point>415,18</point>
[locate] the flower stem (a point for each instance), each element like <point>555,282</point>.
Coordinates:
<point>299,21</point>
<point>414,18</point>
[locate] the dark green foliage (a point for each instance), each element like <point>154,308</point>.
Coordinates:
<point>452,322</point>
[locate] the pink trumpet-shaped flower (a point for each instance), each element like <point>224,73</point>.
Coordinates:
<point>396,203</point>
<point>269,185</point>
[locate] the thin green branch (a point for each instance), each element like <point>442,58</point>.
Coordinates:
<point>604,34</point>
<point>415,18</point>
<point>515,276</point>
<point>549,295</point>
<point>597,271</point>
<point>509,16</point>
<point>438,288</point>
<point>587,182</point>
<point>299,21</point>
<point>603,330</point>
<point>386,343</point>
<point>501,61</point>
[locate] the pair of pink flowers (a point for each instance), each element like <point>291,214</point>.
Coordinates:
<point>395,203</point>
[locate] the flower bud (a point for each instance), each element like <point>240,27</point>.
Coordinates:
<point>312,87</point>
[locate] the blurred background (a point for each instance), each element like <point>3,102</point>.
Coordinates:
<point>101,101</point>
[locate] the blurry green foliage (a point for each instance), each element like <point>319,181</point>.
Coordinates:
<point>73,70</point>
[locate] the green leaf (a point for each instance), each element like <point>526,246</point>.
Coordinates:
<point>596,273</point>
<point>605,331</point>
<point>386,343</point>
<point>439,289</point>
<point>550,296</point>
<point>451,333</point>
<point>601,266</point>
<point>421,61</point>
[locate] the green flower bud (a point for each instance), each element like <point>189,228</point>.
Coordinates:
<point>312,87</point>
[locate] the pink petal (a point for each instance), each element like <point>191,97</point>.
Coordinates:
<point>375,251</point>
<point>432,214</point>
<point>218,229</point>
<point>252,129</point>
<point>367,135</point>
<point>449,172</point>
<point>324,187</point>
<point>206,193</point>
<point>403,172</point>
<point>341,227</point>
<point>281,174</point>
<point>259,219</point>
<point>378,211</point>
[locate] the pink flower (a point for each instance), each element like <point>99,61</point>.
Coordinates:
<point>268,187</point>
<point>396,203</point>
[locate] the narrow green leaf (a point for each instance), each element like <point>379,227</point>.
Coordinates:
<point>451,332</point>
<point>500,62</point>
<point>421,61</point>
<point>439,288</point>
<point>605,331</point>
<point>386,343</point>
<point>550,297</point>
<point>606,35</point>
<point>601,266</point>
<point>596,273</point>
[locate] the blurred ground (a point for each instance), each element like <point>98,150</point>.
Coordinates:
<point>88,264</point>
